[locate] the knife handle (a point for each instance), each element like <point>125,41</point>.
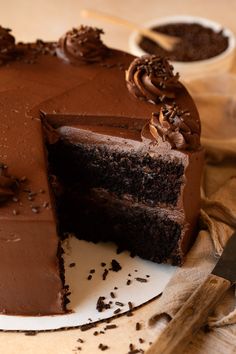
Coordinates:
<point>192,315</point>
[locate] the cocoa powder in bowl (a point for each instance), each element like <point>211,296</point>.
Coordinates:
<point>197,42</point>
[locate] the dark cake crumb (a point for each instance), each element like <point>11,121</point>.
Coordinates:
<point>103,264</point>
<point>105,273</point>
<point>128,282</point>
<point>30,333</point>
<point>101,305</point>
<point>117,311</point>
<point>118,303</point>
<point>89,277</point>
<point>130,305</point>
<point>80,340</point>
<point>92,271</point>
<point>115,265</point>
<point>141,280</point>
<point>112,326</point>
<point>71,265</point>
<point>141,340</point>
<point>112,295</point>
<point>138,326</point>
<point>103,347</point>
<point>87,326</point>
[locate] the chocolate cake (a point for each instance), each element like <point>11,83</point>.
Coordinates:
<point>93,142</point>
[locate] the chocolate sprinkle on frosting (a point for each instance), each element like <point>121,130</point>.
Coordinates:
<point>82,44</point>
<point>151,78</point>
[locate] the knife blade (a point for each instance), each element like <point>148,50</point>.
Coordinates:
<point>226,265</point>
<point>194,313</point>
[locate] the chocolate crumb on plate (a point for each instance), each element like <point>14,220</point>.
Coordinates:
<point>115,265</point>
<point>138,326</point>
<point>103,264</point>
<point>89,277</point>
<point>141,280</point>
<point>141,340</point>
<point>111,326</point>
<point>128,282</point>
<point>103,347</point>
<point>101,305</point>
<point>130,305</point>
<point>112,295</point>
<point>30,333</point>
<point>116,311</point>
<point>105,273</point>
<point>118,303</point>
<point>87,326</point>
<point>80,340</point>
<point>92,271</point>
<point>71,265</point>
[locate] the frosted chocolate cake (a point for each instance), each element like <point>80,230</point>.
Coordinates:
<point>120,135</point>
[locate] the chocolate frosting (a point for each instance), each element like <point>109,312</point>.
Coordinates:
<point>8,184</point>
<point>82,44</point>
<point>174,125</point>
<point>151,78</point>
<point>7,45</point>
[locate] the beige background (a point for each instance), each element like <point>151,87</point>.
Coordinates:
<point>48,19</point>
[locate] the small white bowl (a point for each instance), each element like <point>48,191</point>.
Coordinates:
<point>189,70</point>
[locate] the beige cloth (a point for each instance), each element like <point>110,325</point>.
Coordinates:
<point>217,105</point>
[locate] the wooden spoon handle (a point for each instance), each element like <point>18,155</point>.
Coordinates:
<point>190,317</point>
<point>167,42</point>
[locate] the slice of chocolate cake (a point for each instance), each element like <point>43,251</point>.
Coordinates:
<point>129,166</point>
<point>129,179</point>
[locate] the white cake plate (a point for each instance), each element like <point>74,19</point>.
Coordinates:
<point>80,258</point>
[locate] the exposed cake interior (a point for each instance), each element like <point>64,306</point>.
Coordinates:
<point>118,188</point>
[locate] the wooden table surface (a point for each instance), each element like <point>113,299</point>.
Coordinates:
<point>48,19</point>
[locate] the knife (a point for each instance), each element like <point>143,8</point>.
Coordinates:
<point>194,313</point>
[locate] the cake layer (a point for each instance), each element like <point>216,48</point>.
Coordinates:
<point>98,215</point>
<point>123,166</point>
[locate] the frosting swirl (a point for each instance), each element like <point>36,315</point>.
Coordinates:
<point>175,126</point>
<point>7,45</point>
<point>8,185</point>
<point>82,44</point>
<point>151,78</point>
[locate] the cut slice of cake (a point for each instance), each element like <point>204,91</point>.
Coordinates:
<point>132,179</point>
<point>121,185</point>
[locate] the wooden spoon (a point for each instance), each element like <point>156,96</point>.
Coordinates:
<point>165,41</point>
